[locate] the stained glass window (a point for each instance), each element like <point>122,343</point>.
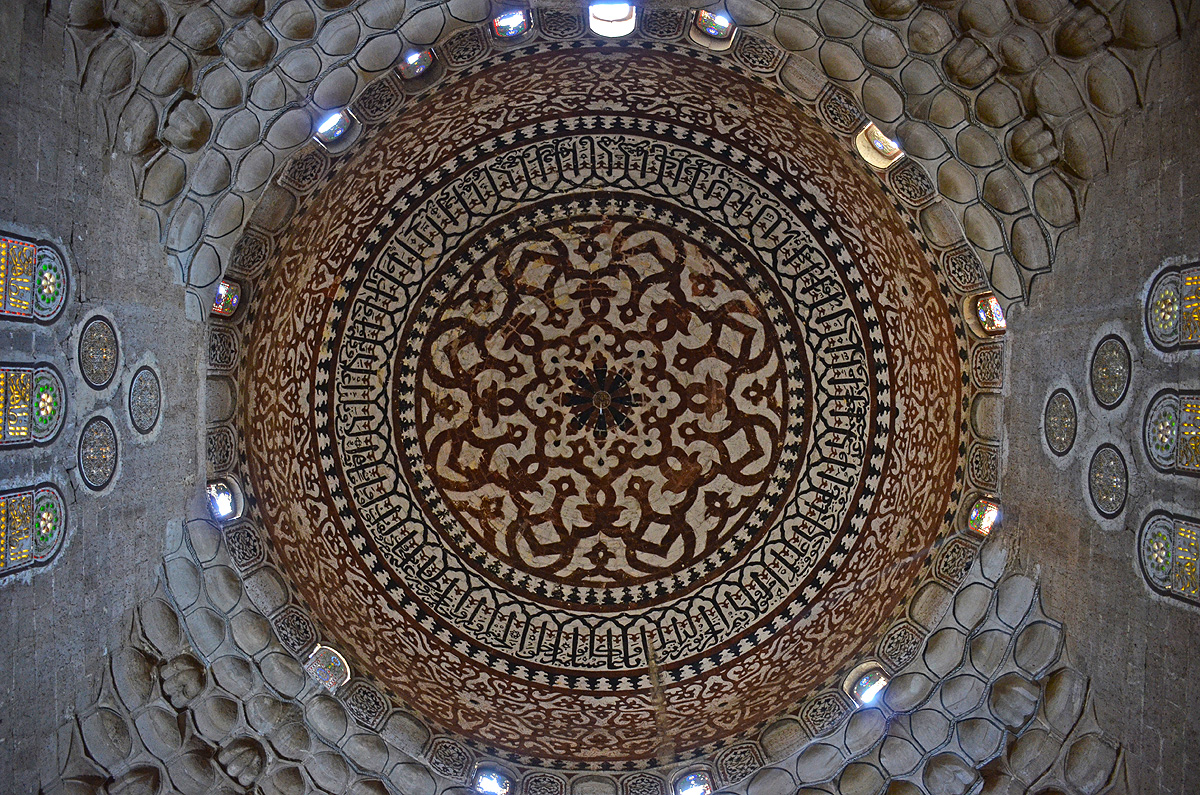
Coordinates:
<point>1171,432</point>
<point>32,404</point>
<point>33,281</point>
<point>612,20</point>
<point>225,303</point>
<point>492,782</point>
<point>328,667</point>
<point>991,314</point>
<point>415,63</point>
<point>334,126</point>
<point>867,686</point>
<point>718,26</point>
<point>984,515</point>
<point>1168,547</point>
<point>511,24</point>
<point>876,148</point>
<point>31,527</point>
<point>698,782</point>
<point>222,502</point>
<point>1173,308</point>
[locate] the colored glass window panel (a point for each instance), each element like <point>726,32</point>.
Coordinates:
<point>328,668</point>
<point>226,301</point>
<point>1189,308</point>
<point>511,24</point>
<point>991,314</point>
<point>221,500</point>
<point>415,63</point>
<point>868,686</point>
<point>492,782</point>
<point>334,126</point>
<point>1169,546</point>
<point>883,145</point>
<point>1171,432</point>
<point>698,782</point>
<point>984,515</point>
<point>31,525</point>
<point>32,404</point>
<point>18,264</point>
<point>718,26</point>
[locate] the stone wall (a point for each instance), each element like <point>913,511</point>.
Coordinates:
<point>59,185</point>
<point>1141,650</point>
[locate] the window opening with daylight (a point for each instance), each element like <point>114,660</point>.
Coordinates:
<point>225,302</point>
<point>511,24</point>
<point>1173,308</point>
<point>867,686</point>
<point>991,314</point>
<point>33,281</point>
<point>222,501</point>
<point>492,782</point>
<point>698,782</point>
<point>328,667</point>
<point>334,126</point>
<point>716,26</point>
<point>1168,545</point>
<point>985,514</point>
<point>612,20</point>
<point>877,149</point>
<point>32,405</point>
<point>1171,431</point>
<point>415,63</point>
<point>31,527</point>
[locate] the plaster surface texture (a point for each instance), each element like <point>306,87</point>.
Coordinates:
<point>58,184</point>
<point>1141,651</point>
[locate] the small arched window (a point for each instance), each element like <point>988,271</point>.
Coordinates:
<point>1173,308</point>
<point>712,30</point>
<point>865,683</point>
<point>1171,432</point>
<point>32,523</point>
<point>612,20</point>
<point>32,404</point>
<point>1168,547</point>
<point>512,24</point>
<point>696,782</point>
<point>33,281</point>
<point>328,667</point>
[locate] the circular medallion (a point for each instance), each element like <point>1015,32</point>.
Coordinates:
<point>1162,310</point>
<point>98,353</point>
<point>97,453</point>
<point>48,406</point>
<point>1157,549</point>
<point>145,400</point>
<point>1161,430</point>
<point>1108,481</point>
<point>590,414</point>
<point>1059,422</point>
<point>643,390</point>
<point>1110,372</point>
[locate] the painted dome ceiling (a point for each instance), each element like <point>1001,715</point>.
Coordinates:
<point>602,405</point>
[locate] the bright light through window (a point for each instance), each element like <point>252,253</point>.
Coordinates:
<point>984,515</point>
<point>695,783</point>
<point>415,63</point>
<point>492,782</point>
<point>220,500</point>
<point>511,23</point>
<point>991,314</point>
<point>333,127</point>
<point>718,26</point>
<point>869,686</point>
<point>612,20</point>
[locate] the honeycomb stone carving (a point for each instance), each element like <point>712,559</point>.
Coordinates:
<point>983,465</point>
<point>558,24</point>
<point>97,453</point>
<point>987,365</point>
<point>900,645</point>
<point>1108,481</point>
<point>1110,372</point>
<point>544,784</point>
<point>222,348</point>
<point>365,703</point>
<point>911,184</point>
<point>838,108</point>
<point>822,712</point>
<point>251,253</point>
<point>739,762</point>
<point>450,758</point>
<point>98,353</point>
<point>1060,422</point>
<point>295,629</point>
<point>245,545</point>
<point>304,171</point>
<point>757,54</point>
<point>145,400</point>
<point>465,47</point>
<point>954,560</point>
<point>221,448</point>
<point>963,269</point>
<point>663,23</point>
<point>379,100</point>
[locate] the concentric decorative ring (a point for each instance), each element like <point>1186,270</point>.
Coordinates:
<point>145,400</point>
<point>489,274</point>
<point>98,353</point>
<point>1059,423</point>
<point>1108,480</point>
<point>97,453</point>
<point>1110,372</point>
